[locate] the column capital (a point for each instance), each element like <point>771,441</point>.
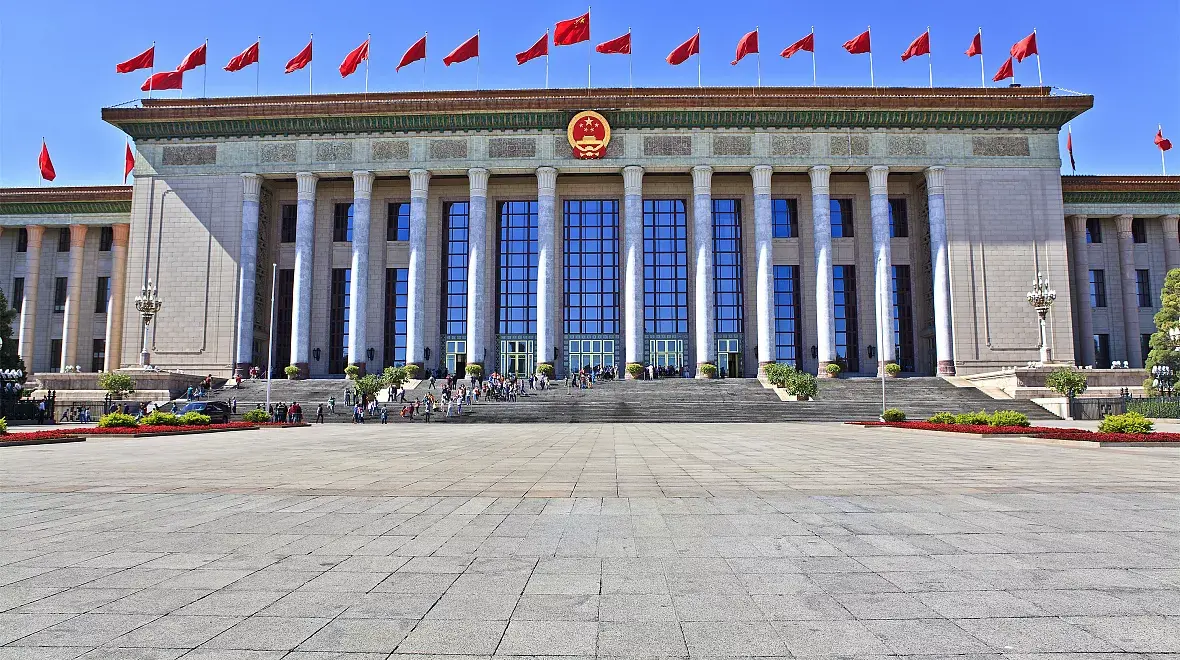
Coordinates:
<point>362,184</point>
<point>477,179</point>
<point>878,180</point>
<point>77,236</point>
<point>820,174</point>
<point>546,181</point>
<point>762,175</point>
<point>1078,223</point>
<point>251,187</point>
<point>633,180</point>
<point>1169,224</point>
<point>934,179</point>
<point>702,180</point>
<point>305,182</point>
<point>120,233</point>
<point>1123,222</point>
<point>419,182</point>
<point>35,232</point>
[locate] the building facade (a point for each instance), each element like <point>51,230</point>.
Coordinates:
<point>729,226</point>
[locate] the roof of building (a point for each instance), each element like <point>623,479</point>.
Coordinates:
<point>1120,189</point>
<point>663,107</point>
<point>67,199</point>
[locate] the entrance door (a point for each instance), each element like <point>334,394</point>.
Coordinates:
<point>517,357</point>
<point>590,353</point>
<point>666,352</point>
<point>729,358</point>
<point>456,357</point>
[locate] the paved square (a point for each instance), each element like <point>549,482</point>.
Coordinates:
<point>580,541</point>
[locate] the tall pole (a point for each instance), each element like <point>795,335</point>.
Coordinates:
<point>204,71</point>
<point>424,45</point>
<point>152,74</point>
<point>1163,159</point>
<point>270,354</point>
<point>872,79</point>
<point>1040,81</point>
<point>698,57</point>
<point>930,58</point>
<point>310,75</point>
<point>546,58</point>
<point>367,45</point>
<point>258,70</point>
<point>477,59</point>
<point>630,58</point>
<point>758,59</point>
<point>589,54</point>
<point>813,80</point>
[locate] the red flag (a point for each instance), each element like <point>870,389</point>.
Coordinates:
<point>128,163</point>
<point>298,62</point>
<point>1004,72</point>
<point>617,46</point>
<point>466,50</point>
<point>145,60</point>
<point>46,164</point>
<point>415,53</point>
<point>976,46</point>
<point>1069,147</point>
<point>1025,47</point>
<point>859,44</point>
<point>163,80</point>
<point>354,59</point>
<point>572,31</point>
<point>194,59</point>
<point>244,59</point>
<point>806,43</point>
<point>747,45</point>
<point>536,50</point>
<point>685,50</point>
<point>920,46</point>
<point>1160,141</point>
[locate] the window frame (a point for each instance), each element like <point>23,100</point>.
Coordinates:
<point>899,229</point>
<point>61,292</point>
<point>106,238</point>
<point>665,271</point>
<point>590,267</point>
<point>1138,231</point>
<point>456,245</point>
<point>288,223</point>
<point>788,323</point>
<point>844,288</point>
<point>338,331</point>
<point>342,222</point>
<point>397,319</point>
<point>63,239</point>
<point>517,263</point>
<point>845,209</point>
<point>102,295</point>
<point>394,227</point>
<point>1143,288</point>
<point>1097,288</point>
<point>22,239</point>
<point>17,302</point>
<point>728,299</point>
<point>784,215</point>
<point>1093,231</point>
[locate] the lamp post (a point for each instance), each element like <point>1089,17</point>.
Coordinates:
<point>1041,298</point>
<point>148,303</point>
<point>1163,379</point>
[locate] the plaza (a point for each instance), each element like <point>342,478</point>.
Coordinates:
<point>581,541</point>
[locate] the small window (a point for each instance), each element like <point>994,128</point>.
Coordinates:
<point>102,295</point>
<point>899,221</point>
<point>1102,351</point>
<point>18,293</point>
<point>1098,288</point>
<point>63,239</point>
<point>22,240</point>
<point>106,238</point>
<point>1138,230</point>
<point>98,355</point>
<point>342,223</point>
<point>1093,230</point>
<point>841,218</point>
<point>398,222</point>
<point>59,295</point>
<point>1143,288</point>
<point>289,219</point>
<point>1144,347</point>
<point>55,355</point>
<point>784,213</point>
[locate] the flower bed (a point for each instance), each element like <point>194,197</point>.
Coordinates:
<point>41,437</point>
<point>1042,432</point>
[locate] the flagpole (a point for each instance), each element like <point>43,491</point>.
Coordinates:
<point>698,57</point>
<point>424,46</point>
<point>367,38</point>
<point>310,75</point>
<point>1040,81</point>
<point>546,58</point>
<point>1163,158</point>
<point>258,70</point>
<point>872,79</point>
<point>41,179</point>
<point>205,72</point>
<point>758,59</point>
<point>153,70</point>
<point>930,58</point>
<point>813,81</point>
<point>982,70</point>
<point>477,60</point>
<point>589,53</point>
<point>630,59</point>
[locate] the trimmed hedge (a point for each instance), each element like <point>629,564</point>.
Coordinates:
<point>160,418</point>
<point>195,418</point>
<point>256,416</point>
<point>1131,422</point>
<point>942,418</point>
<point>893,415</point>
<point>117,420</point>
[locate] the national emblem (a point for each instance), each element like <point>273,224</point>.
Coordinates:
<point>588,134</point>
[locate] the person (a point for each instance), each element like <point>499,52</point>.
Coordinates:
<point>189,393</point>
<point>295,413</point>
<point>426,409</point>
<point>175,409</point>
<point>347,397</point>
<point>384,415</point>
<point>331,404</point>
<point>358,414</point>
<point>319,414</point>
<point>233,404</point>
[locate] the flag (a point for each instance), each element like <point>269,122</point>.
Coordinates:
<point>46,164</point>
<point>685,50</point>
<point>1069,147</point>
<point>920,46</point>
<point>617,46</point>
<point>1004,72</point>
<point>354,59</point>
<point>536,50</point>
<point>572,31</point>
<point>1160,141</point>
<point>859,44</point>
<point>128,163</point>
<point>298,62</point>
<point>415,53</point>
<point>747,45</point>
<point>194,59</point>
<point>466,50</point>
<point>163,80</point>
<point>976,47</point>
<point>1025,47</point>
<point>806,43</point>
<point>244,59</point>
<point>145,60</point>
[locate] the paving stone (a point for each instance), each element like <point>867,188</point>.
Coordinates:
<point>267,633</point>
<point>453,637</point>
<point>1033,635</point>
<point>359,635</point>
<point>647,640</point>
<point>176,631</point>
<point>727,639</point>
<point>549,638</point>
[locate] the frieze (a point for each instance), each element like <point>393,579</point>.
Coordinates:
<point>1121,197</point>
<point>387,150</point>
<point>907,145</point>
<point>336,151</point>
<point>848,145</point>
<point>448,149</point>
<point>790,145</point>
<point>278,152</point>
<point>999,145</point>
<point>512,147</point>
<point>667,145</point>
<point>731,145</point>
<point>180,156</point>
<point>64,208</point>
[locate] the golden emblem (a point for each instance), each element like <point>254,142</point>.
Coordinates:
<point>588,134</point>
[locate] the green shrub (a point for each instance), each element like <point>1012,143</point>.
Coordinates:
<point>802,384</point>
<point>256,416</point>
<point>160,418</point>
<point>411,371</point>
<point>942,418</point>
<point>1067,382</point>
<point>394,376</point>
<point>893,368</point>
<point>366,387</point>
<point>3,426</point>
<point>1008,418</point>
<point>778,374</point>
<point>893,415</point>
<point>546,369</point>
<point>708,370</point>
<point>833,369</point>
<point>474,369</point>
<point>1131,422</point>
<point>980,418</point>
<point>634,369</point>
<point>118,384</point>
<point>195,418</point>
<point>352,371</point>
<point>291,370</point>
<point>117,420</point>
<point>1157,408</point>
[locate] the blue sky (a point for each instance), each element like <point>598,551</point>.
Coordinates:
<point>57,59</point>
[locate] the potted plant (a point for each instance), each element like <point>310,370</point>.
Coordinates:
<point>892,369</point>
<point>412,371</point>
<point>352,371</point>
<point>634,370</point>
<point>119,385</point>
<point>707,370</point>
<point>292,371</point>
<point>803,386</point>
<point>546,369</point>
<point>832,370</point>
<point>474,370</point>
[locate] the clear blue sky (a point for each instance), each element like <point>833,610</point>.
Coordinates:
<point>57,59</point>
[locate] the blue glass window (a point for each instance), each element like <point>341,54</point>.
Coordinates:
<point>903,318</point>
<point>591,266</point>
<point>665,266</point>
<point>338,327</point>
<point>899,221</point>
<point>342,223</point>
<point>727,265</point>
<point>787,325</point>
<point>784,213</point>
<point>397,304</point>
<point>454,319</point>
<point>844,308</point>
<point>841,218</point>
<point>397,223</point>
<point>518,267</point>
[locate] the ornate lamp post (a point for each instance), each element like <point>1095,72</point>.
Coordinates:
<point>148,303</point>
<point>1163,379</point>
<point>1041,298</point>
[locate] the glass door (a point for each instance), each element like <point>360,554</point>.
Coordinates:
<point>456,357</point>
<point>517,357</point>
<point>590,353</point>
<point>729,358</point>
<point>666,352</point>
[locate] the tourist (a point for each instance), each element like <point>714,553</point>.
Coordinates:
<point>295,412</point>
<point>319,414</point>
<point>233,405</point>
<point>432,381</point>
<point>358,414</point>
<point>331,404</point>
<point>426,409</point>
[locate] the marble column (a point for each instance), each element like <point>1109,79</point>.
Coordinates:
<point>27,339</point>
<point>1171,241</point>
<point>477,239</point>
<point>115,310</point>
<point>416,279</point>
<point>764,264</point>
<point>1128,287</point>
<point>1081,284</point>
<point>247,274</point>
<point>304,250</point>
<point>702,243</point>
<point>72,321</point>
<point>546,264</point>
<point>821,219</point>
<point>633,307</point>
<point>882,265</point>
<point>941,270</point>
<point>358,311</point>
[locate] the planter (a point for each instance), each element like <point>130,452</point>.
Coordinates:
<point>802,397</point>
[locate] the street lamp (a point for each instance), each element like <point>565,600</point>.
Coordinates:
<point>148,303</point>
<point>1041,298</point>
<point>1164,379</point>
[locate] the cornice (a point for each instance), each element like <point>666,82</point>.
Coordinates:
<point>66,200</point>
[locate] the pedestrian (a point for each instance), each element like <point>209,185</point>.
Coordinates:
<point>319,414</point>
<point>331,404</point>
<point>426,410</point>
<point>384,415</point>
<point>432,381</point>
<point>296,413</point>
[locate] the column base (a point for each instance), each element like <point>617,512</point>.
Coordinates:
<point>304,371</point>
<point>701,371</point>
<point>242,369</point>
<point>946,367</point>
<point>420,374</point>
<point>359,365</point>
<point>822,372</point>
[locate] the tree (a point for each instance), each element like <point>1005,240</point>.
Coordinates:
<point>1067,382</point>
<point>366,387</point>
<point>1162,350</point>
<point>9,359</point>
<point>118,384</point>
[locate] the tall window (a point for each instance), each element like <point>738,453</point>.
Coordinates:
<point>899,220</point>
<point>784,213</point>
<point>1098,288</point>
<point>342,223</point>
<point>841,217</point>
<point>844,306</point>
<point>1143,287</point>
<point>903,318</point>
<point>518,267</point>
<point>1145,346</point>
<point>787,326</point>
<point>289,220</point>
<point>591,267</point>
<point>55,355</point>
<point>397,304</point>
<point>454,318</point>
<point>338,325</point>
<point>1138,230</point>
<point>106,238</point>
<point>98,354</point>
<point>102,295</point>
<point>727,265</point>
<point>284,304</point>
<point>1102,351</point>
<point>665,266</point>
<point>397,222</point>
<point>63,239</point>
<point>22,240</point>
<point>1093,230</point>
<point>59,294</point>
<point>18,293</point>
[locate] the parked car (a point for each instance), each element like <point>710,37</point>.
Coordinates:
<point>218,411</point>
